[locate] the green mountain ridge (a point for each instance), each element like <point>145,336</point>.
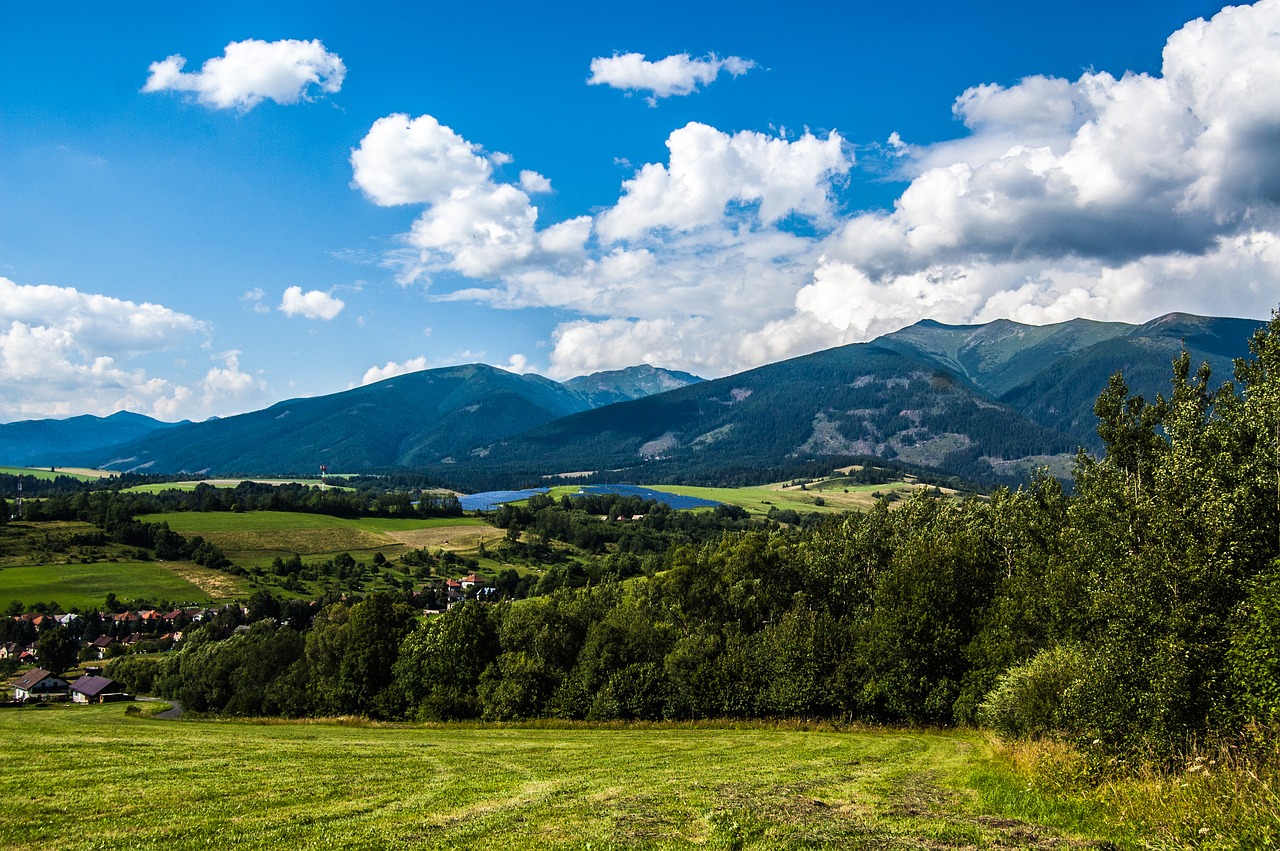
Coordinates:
<point>41,442</point>
<point>986,402</point>
<point>411,420</point>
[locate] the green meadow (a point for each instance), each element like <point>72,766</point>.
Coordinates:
<point>213,522</point>
<point>80,473</point>
<point>222,483</point>
<point>828,496</point>
<point>85,586</point>
<point>94,777</point>
<point>255,538</point>
<point>836,495</point>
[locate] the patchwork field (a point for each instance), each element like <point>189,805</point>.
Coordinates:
<point>86,586</point>
<point>71,563</point>
<point>836,495</point>
<point>82,473</point>
<point>256,537</point>
<point>95,777</point>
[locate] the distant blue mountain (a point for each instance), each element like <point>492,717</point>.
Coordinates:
<point>42,443</point>
<point>435,416</point>
<point>985,402</point>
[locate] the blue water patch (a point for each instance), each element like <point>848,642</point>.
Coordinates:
<point>675,501</point>
<point>489,500</point>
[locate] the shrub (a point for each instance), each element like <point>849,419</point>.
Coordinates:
<point>1031,699</point>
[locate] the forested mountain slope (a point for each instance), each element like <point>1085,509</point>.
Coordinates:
<point>986,402</point>
<point>43,442</point>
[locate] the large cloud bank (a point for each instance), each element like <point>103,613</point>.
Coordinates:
<point>66,352</point>
<point>1106,197</point>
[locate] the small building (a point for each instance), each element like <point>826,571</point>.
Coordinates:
<point>39,684</point>
<point>101,645</point>
<point>96,689</point>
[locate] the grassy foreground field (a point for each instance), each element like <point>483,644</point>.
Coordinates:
<point>92,777</point>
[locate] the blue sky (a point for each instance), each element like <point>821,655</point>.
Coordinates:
<point>312,196</point>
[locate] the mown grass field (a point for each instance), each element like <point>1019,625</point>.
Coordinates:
<point>92,777</point>
<point>256,537</point>
<point>81,473</point>
<point>217,483</point>
<point>85,586</point>
<point>837,494</point>
<point>68,562</point>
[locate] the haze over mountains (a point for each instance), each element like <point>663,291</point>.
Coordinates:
<point>982,401</point>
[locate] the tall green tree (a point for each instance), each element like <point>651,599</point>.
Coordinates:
<point>56,648</point>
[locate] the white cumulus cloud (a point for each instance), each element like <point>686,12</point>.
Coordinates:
<point>709,169</point>
<point>252,71</point>
<point>392,368</point>
<point>313,304</point>
<point>673,75</point>
<point>1110,197</point>
<point>416,161</point>
<point>65,352</point>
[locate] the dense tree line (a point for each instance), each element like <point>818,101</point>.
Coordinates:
<point>595,523</point>
<point>338,502</point>
<point>1142,609</point>
<point>403,495</point>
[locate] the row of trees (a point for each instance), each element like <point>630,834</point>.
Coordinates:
<point>101,505</point>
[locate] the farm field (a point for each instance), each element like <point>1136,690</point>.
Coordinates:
<point>71,563</point>
<point>96,777</point>
<point>81,473</point>
<point>217,483</point>
<point>85,586</point>
<point>838,494</point>
<point>256,537</point>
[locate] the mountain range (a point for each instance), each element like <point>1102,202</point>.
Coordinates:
<point>985,402</point>
<point>406,421</point>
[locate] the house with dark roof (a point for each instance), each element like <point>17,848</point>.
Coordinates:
<point>39,684</point>
<point>101,644</point>
<point>97,689</point>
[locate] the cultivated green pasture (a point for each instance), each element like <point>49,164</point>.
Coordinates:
<point>92,777</point>
<point>86,586</point>
<point>254,538</point>
<point>209,522</point>
<point>224,483</point>
<point>838,494</point>
<point>80,473</point>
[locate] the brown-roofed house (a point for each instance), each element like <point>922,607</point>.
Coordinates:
<point>38,684</point>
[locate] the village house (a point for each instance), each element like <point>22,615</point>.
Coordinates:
<point>101,644</point>
<point>97,689</point>
<point>39,684</point>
